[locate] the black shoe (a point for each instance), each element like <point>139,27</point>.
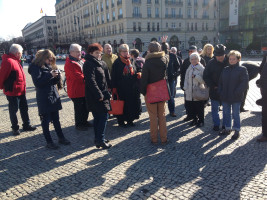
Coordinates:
<point>52,146</point>
<point>89,124</point>
<point>193,123</point>
<point>259,102</point>
<point>104,145</point>
<point>123,125</point>
<point>16,132</point>
<point>235,136</point>
<point>130,124</point>
<point>105,140</point>
<point>224,132</point>
<point>187,119</point>
<point>29,128</point>
<point>243,110</point>
<point>64,141</point>
<point>216,128</point>
<point>200,124</point>
<point>81,128</point>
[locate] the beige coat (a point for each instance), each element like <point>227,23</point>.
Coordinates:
<point>189,82</point>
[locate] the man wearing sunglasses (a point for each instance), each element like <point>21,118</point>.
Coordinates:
<point>13,81</point>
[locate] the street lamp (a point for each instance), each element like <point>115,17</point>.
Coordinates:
<point>78,20</point>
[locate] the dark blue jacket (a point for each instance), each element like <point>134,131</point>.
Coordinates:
<point>48,99</point>
<point>233,83</point>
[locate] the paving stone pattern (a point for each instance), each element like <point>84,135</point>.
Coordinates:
<point>196,164</point>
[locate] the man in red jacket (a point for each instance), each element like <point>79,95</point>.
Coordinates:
<point>76,87</point>
<point>12,80</point>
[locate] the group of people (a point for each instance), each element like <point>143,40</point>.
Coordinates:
<point>93,80</point>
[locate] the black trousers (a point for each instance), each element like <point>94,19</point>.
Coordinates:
<point>80,111</point>
<point>244,99</point>
<point>45,120</point>
<point>16,103</point>
<point>264,115</point>
<point>195,110</point>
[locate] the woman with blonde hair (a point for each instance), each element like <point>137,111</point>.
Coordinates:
<point>46,76</point>
<point>207,52</point>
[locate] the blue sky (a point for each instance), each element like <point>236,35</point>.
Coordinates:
<point>15,14</point>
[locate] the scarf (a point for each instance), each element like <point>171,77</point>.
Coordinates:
<point>128,69</point>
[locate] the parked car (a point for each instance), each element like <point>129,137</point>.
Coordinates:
<point>58,56</point>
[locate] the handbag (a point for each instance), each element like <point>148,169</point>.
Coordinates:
<point>157,92</point>
<point>116,105</point>
<point>200,93</point>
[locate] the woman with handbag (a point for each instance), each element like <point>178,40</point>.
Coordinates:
<point>46,76</point>
<point>154,71</point>
<point>97,82</point>
<point>124,78</point>
<point>232,86</point>
<point>195,90</point>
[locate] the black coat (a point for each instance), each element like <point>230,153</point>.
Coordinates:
<point>185,66</point>
<point>128,90</point>
<point>48,99</point>
<point>212,75</point>
<point>155,69</point>
<point>263,80</point>
<point>252,68</point>
<point>97,82</point>
<point>233,83</point>
<point>173,67</point>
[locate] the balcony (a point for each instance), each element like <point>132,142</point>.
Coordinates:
<point>87,26</point>
<point>174,3</point>
<point>157,16</point>
<point>174,29</point>
<point>137,15</point>
<point>205,17</point>
<point>179,16</point>
<point>136,1</point>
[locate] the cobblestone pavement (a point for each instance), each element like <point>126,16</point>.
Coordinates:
<point>196,164</point>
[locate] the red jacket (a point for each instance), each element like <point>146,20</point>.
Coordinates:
<point>75,79</point>
<point>11,63</point>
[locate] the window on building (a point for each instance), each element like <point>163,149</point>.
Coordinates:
<point>188,26</point>
<point>167,25</point>
<point>108,17</point>
<point>192,26</point>
<point>158,26</point>
<point>107,4</point>
<point>195,26</point>
<point>102,19</point>
<point>102,6</point>
<point>195,13</point>
<point>156,12</point>
<point>48,21</point>
<point>148,26</point>
<point>139,26</point>
<point>207,26</point>
<point>166,13</point>
<point>136,11</point>
<point>97,8</point>
<point>203,26</point>
<point>173,12</point>
<point>148,12</point>
<point>134,26</point>
<point>153,26</point>
<point>113,15</point>
<point>156,1</point>
<point>173,25</point>
<point>189,13</point>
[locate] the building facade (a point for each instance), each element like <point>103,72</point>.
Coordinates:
<point>137,22</point>
<point>251,29</point>
<point>41,34</point>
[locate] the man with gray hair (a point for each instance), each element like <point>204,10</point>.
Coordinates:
<point>13,82</point>
<point>108,56</point>
<point>76,86</point>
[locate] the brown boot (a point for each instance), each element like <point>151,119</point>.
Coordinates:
<point>262,139</point>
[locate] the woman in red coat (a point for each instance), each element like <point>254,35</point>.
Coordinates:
<point>76,86</point>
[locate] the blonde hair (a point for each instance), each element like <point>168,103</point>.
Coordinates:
<point>41,57</point>
<point>205,53</point>
<point>235,53</point>
<point>123,47</point>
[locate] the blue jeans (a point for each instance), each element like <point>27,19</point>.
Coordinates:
<point>171,104</point>
<point>100,122</point>
<point>16,103</point>
<point>235,114</point>
<point>215,113</point>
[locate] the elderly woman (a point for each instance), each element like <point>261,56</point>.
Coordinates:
<point>194,78</point>
<point>232,86</point>
<point>154,70</point>
<point>45,77</point>
<point>207,52</point>
<point>97,82</point>
<point>125,83</point>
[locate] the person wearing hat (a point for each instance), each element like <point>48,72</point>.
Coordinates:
<point>184,67</point>
<point>211,77</point>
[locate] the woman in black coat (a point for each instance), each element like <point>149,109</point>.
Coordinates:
<point>97,82</point>
<point>45,77</point>
<point>125,83</point>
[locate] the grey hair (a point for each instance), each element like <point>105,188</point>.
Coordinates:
<point>107,45</point>
<point>15,48</point>
<point>195,55</point>
<point>123,47</point>
<point>173,49</point>
<point>74,46</point>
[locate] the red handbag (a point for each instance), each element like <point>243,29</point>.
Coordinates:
<point>116,105</point>
<point>157,92</point>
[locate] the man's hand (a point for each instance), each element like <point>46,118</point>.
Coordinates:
<point>164,38</point>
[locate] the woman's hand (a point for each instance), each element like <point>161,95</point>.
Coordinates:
<point>54,73</point>
<point>101,99</point>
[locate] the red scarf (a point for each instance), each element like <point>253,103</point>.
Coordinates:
<point>128,69</point>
